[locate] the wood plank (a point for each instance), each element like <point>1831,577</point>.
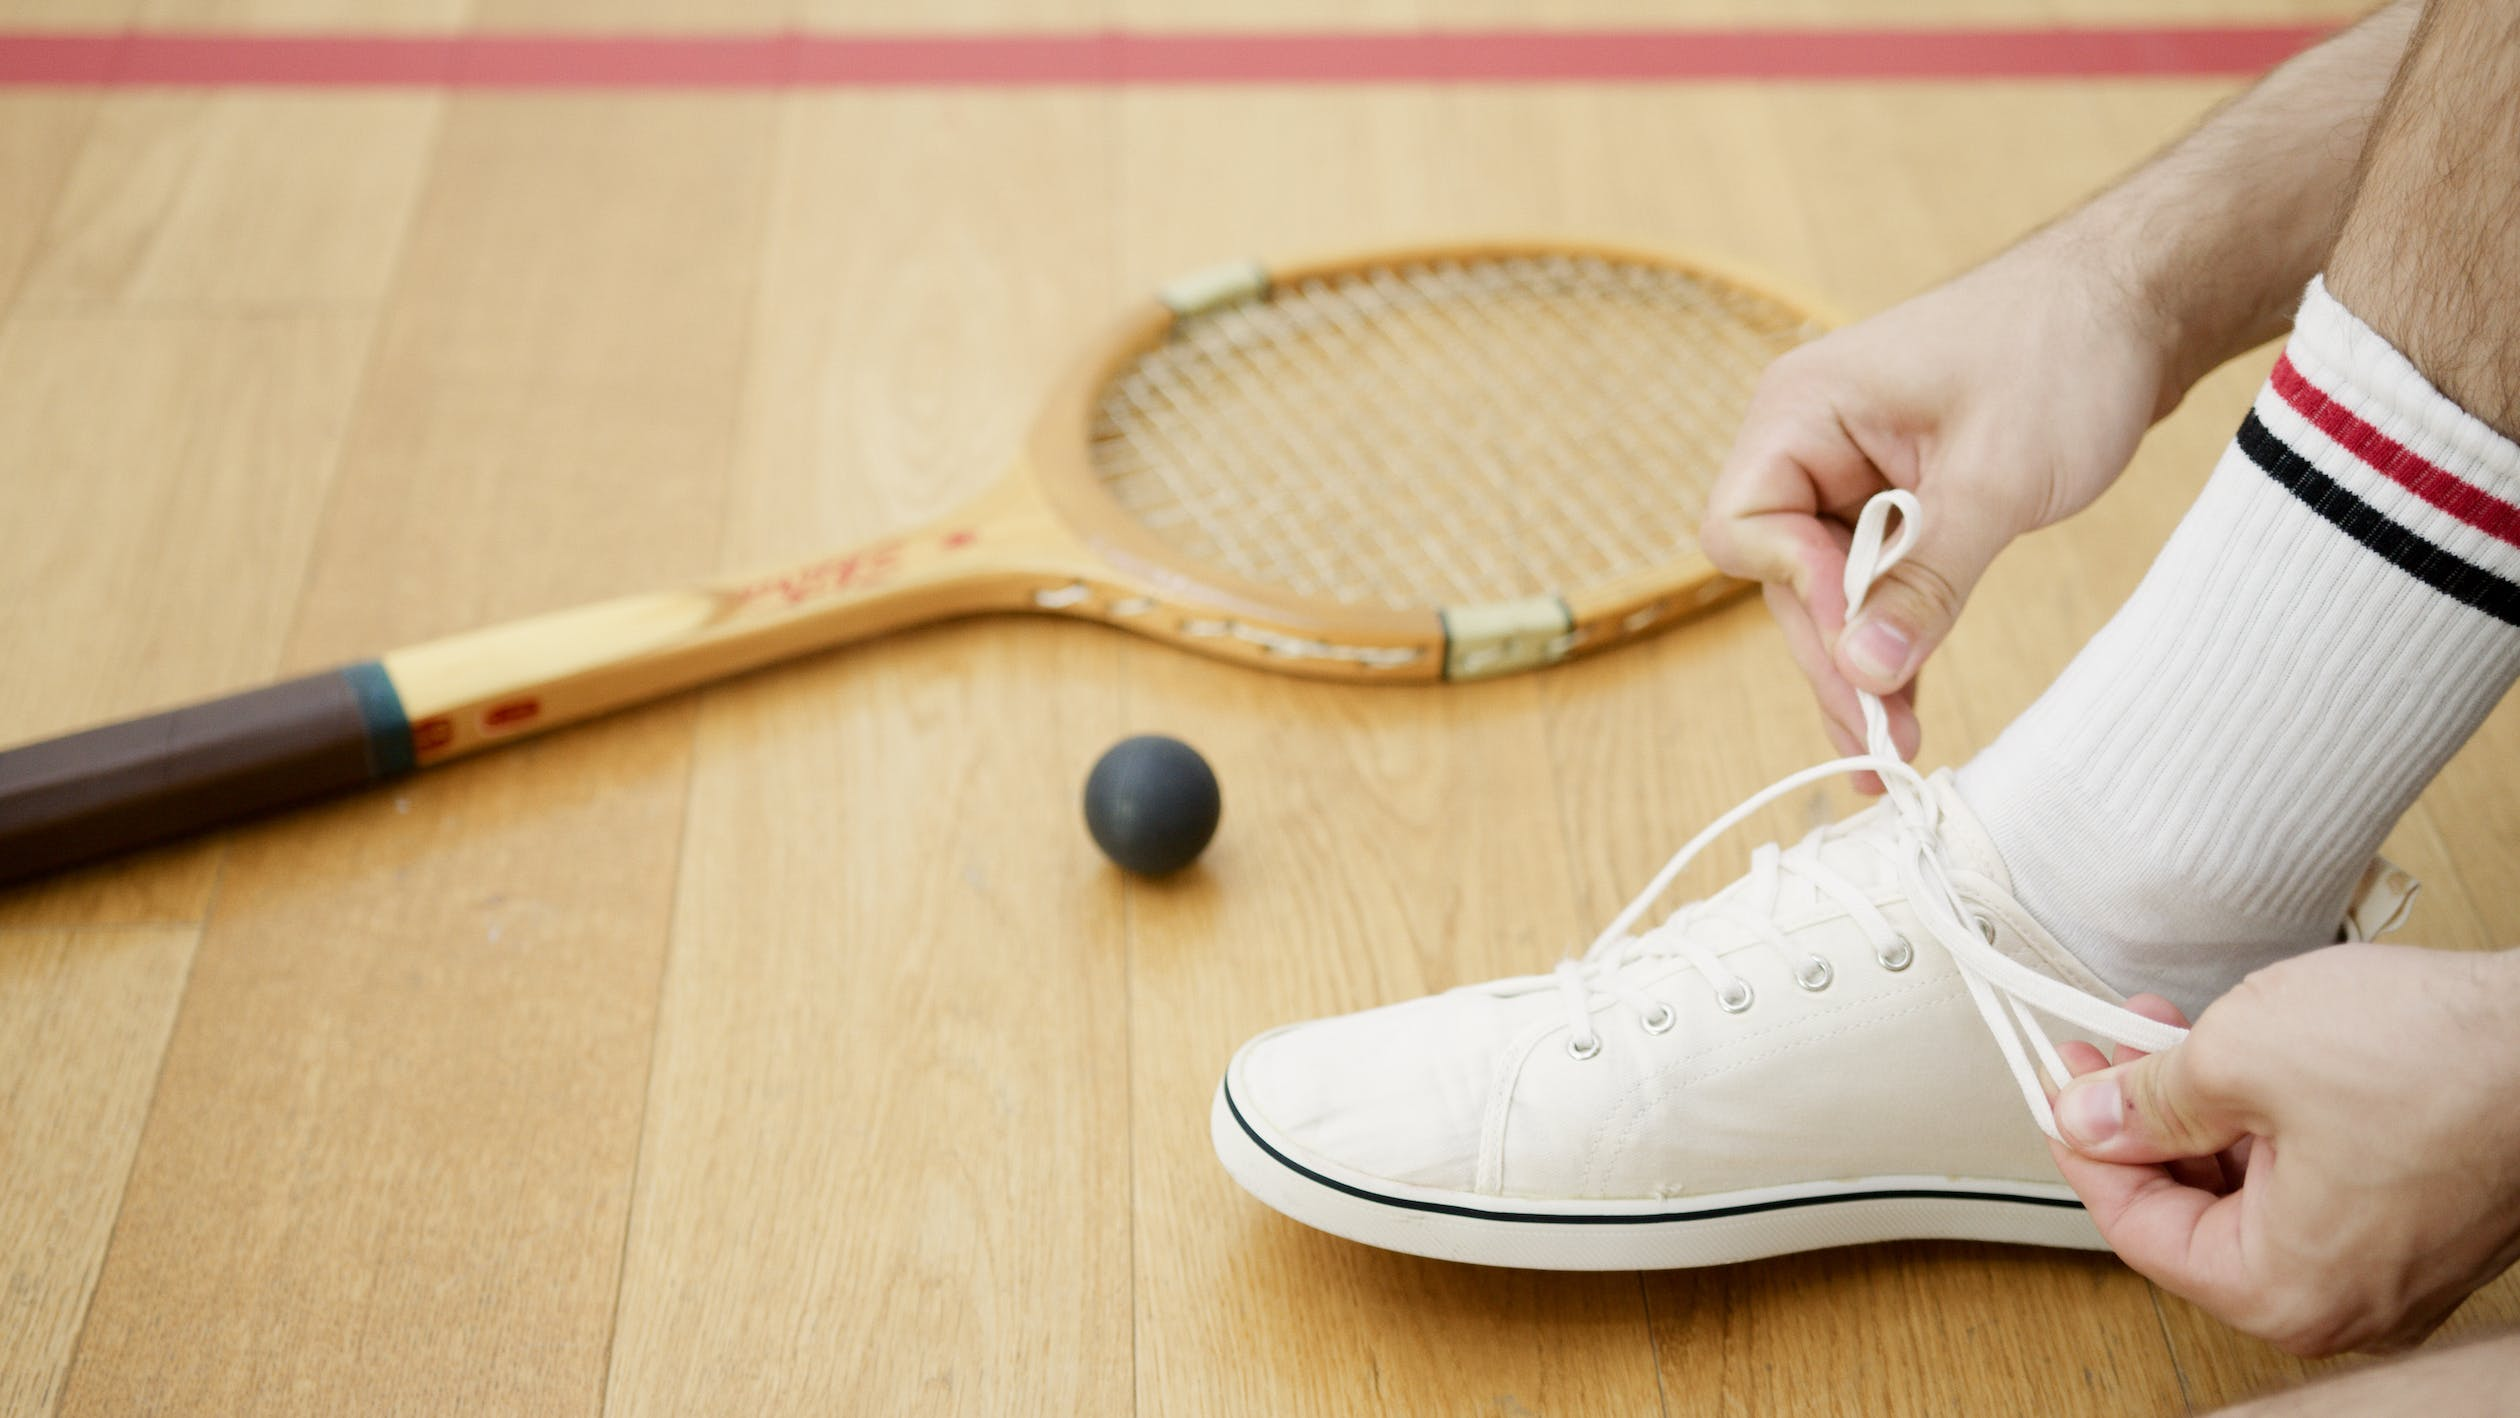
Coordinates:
<point>65,14</point>
<point>197,199</point>
<point>1912,1328</point>
<point>927,1075</point>
<point>2471,804</point>
<point>636,16</point>
<point>2221,1366</point>
<point>302,15</point>
<point>390,1160</point>
<point>84,1018</point>
<point>40,135</point>
<point>886,1165</point>
<point>1646,14</point>
<point>1379,843</point>
<point>1638,771</point>
<point>156,446</point>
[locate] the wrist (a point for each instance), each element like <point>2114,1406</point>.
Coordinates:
<point>2502,971</point>
<point>2188,269</point>
<point>2492,1004</point>
<point>2126,293</point>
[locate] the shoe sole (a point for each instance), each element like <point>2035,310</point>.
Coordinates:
<point>1651,1234</point>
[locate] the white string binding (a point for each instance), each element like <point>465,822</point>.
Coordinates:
<point>2008,994</point>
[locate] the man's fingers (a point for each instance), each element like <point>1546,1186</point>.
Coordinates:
<point>2157,1009</point>
<point>1906,733</point>
<point>2185,1237</point>
<point>1803,640</point>
<point>2152,1007</point>
<point>1912,607</point>
<point>2080,1058</point>
<point>1773,548</point>
<point>2151,1110</point>
<point>1806,642</point>
<point>1791,460</point>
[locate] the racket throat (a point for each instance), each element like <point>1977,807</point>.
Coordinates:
<point>1504,637</point>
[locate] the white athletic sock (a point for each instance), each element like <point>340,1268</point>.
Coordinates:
<point>2198,793</point>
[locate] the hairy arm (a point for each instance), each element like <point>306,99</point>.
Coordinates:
<point>2427,258</point>
<point>2010,397</point>
<point>2216,236</point>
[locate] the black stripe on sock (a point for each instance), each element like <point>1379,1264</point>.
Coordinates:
<point>2452,575</point>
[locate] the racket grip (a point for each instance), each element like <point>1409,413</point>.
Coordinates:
<point>105,790</point>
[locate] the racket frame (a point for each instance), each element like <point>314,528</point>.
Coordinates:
<point>1048,538</point>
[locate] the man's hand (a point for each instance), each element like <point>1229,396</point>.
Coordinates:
<point>2331,1160</point>
<point>2005,400</point>
<point>2010,397</point>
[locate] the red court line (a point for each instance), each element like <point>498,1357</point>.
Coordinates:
<point>783,59</point>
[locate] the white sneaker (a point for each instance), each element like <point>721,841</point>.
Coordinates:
<point>1802,1060</point>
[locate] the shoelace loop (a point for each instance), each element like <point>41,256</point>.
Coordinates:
<point>2008,994</point>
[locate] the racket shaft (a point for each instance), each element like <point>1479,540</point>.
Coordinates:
<point>107,790</point>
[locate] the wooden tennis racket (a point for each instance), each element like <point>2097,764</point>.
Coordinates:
<point>1427,465</point>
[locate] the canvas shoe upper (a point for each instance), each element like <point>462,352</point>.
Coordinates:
<point>1844,1045</point>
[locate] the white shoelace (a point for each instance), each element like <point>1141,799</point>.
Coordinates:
<point>2009,995</point>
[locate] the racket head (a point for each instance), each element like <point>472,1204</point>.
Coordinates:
<point>1438,462</point>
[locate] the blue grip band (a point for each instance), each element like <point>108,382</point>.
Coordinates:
<point>381,709</point>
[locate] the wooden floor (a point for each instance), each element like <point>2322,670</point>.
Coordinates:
<point>786,1048</point>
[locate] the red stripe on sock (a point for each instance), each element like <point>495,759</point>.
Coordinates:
<point>777,59</point>
<point>2395,461</point>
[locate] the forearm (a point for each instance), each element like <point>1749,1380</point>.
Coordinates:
<point>2216,237</point>
<point>2471,1379</point>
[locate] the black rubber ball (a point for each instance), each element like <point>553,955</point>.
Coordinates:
<point>1152,804</point>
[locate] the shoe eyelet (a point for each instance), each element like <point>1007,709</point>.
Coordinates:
<point>1814,974</point>
<point>1661,1020</point>
<point>1899,956</point>
<point>1986,928</point>
<point>1582,1049</point>
<point>1735,997</point>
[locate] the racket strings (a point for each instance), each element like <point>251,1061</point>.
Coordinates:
<point>1442,434</point>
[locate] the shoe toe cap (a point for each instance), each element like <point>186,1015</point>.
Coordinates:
<point>1399,1093</point>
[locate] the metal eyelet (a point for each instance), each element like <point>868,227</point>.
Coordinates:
<point>1986,928</point>
<point>1661,1020</point>
<point>1582,1049</point>
<point>1815,974</point>
<point>1898,957</point>
<point>1735,997</point>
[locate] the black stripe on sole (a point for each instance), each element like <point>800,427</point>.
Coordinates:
<point>1711,1213</point>
<point>2452,575</point>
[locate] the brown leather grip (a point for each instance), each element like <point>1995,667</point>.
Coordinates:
<point>91,794</point>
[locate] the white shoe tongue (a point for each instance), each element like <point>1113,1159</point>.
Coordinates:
<point>1964,838</point>
<point>1853,849</point>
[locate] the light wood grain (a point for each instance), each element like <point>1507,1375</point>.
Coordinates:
<point>1390,14</point>
<point>84,1016</point>
<point>1376,845</point>
<point>299,16</point>
<point>40,134</point>
<point>145,450</point>
<point>391,1158</point>
<point>886,1159</point>
<point>390,1155</point>
<point>236,200</point>
<point>785,1049</point>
